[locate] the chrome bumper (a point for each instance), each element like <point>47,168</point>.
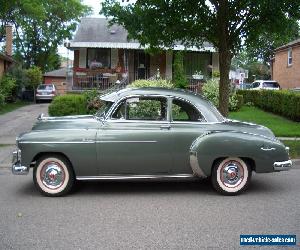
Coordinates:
<point>282,165</point>
<point>17,168</point>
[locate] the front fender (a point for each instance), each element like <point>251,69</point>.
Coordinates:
<point>262,150</point>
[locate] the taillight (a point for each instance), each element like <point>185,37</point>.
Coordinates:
<point>53,92</point>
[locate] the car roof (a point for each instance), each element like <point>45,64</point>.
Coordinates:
<point>265,81</point>
<point>181,93</point>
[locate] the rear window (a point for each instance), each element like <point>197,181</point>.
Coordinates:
<point>255,85</point>
<point>45,87</point>
<point>271,85</point>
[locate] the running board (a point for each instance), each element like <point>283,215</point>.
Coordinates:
<point>137,177</point>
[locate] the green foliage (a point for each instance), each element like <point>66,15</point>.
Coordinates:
<point>225,24</point>
<point>19,74</point>
<point>151,83</point>
<point>285,103</point>
<point>179,77</point>
<point>40,26</point>
<point>7,86</point>
<point>211,91</point>
<point>146,109</point>
<point>34,77</point>
<point>216,74</point>
<point>2,99</point>
<point>68,105</point>
<point>93,103</point>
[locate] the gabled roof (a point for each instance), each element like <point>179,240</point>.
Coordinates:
<point>96,33</point>
<point>289,45</point>
<point>6,58</point>
<point>57,73</point>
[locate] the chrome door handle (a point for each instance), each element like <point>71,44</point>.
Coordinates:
<point>267,149</point>
<point>165,127</point>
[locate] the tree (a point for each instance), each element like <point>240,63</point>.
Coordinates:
<point>226,24</point>
<point>179,77</point>
<point>34,78</point>
<point>40,26</point>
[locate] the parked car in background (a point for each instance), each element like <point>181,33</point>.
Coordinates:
<point>265,84</point>
<point>296,90</point>
<point>45,92</point>
<point>148,134</point>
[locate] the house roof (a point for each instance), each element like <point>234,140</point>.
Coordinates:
<point>57,73</point>
<point>96,33</point>
<point>6,58</point>
<point>288,45</point>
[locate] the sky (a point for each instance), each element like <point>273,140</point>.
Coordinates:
<point>95,4</point>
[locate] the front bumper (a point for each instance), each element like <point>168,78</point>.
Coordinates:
<point>282,165</point>
<point>17,167</point>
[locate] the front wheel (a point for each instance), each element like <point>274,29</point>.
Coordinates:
<point>53,175</point>
<point>231,176</point>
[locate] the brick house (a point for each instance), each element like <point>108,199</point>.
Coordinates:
<point>286,65</point>
<point>59,78</point>
<point>103,54</point>
<point>6,59</point>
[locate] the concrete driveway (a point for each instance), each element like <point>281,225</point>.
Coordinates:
<point>14,123</point>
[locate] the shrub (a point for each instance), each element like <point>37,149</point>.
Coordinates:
<point>93,103</point>
<point>151,83</point>
<point>284,103</point>
<point>68,105</point>
<point>211,91</point>
<point>7,86</point>
<point>179,77</point>
<point>2,99</point>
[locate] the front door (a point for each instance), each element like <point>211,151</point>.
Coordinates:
<point>136,139</point>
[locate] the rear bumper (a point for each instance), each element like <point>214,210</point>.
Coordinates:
<point>282,165</point>
<point>44,97</point>
<point>17,167</point>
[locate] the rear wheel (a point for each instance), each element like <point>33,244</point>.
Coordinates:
<point>53,175</point>
<point>231,176</point>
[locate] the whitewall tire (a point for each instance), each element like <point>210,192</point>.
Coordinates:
<point>231,176</point>
<point>53,175</point>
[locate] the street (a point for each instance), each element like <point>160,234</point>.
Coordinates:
<point>170,215</point>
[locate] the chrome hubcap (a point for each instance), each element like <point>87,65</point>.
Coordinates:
<point>232,174</point>
<point>52,175</point>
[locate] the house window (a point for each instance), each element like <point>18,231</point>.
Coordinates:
<point>99,58</point>
<point>290,57</point>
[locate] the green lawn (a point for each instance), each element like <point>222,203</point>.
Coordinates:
<point>294,148</point>
<point>281,127</point>
<point>8,107</point>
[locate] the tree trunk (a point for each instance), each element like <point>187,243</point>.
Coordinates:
<point>224,89</point>
<point>224,55</point>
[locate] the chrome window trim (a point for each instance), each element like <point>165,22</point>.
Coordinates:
<point>119,102</point>
<point>195,107</point>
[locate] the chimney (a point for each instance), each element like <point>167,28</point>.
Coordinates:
<point>9,39</point>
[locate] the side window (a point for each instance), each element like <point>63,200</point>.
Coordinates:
<point>142,108</point>
<point>184,111</point>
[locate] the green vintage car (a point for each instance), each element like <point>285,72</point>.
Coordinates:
<point>146,134</point>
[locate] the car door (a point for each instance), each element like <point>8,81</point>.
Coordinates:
<point>187,124</point>
<point>135,139</point>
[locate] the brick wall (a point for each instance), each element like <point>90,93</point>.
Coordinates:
<point>287,76</point>
<point>60,83</point>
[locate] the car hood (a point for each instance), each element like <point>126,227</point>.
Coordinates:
<point>245,127</point>
<point>67,122</point>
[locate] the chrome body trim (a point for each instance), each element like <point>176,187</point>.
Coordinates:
<point>17,168</point>
<point>282,165</point>
<point>84,141</point>
<point>267,149</point>
<point>136,177</point>
<point>195,165</point>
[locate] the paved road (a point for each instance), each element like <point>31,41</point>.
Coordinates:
<point>14,123</point>
<point>107,215</point>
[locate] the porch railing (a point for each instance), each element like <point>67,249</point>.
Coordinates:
<point>87,78</point>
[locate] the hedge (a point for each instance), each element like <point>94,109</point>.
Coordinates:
<point>72,104</point>
<point>284,103</point>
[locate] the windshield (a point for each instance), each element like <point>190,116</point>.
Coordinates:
<point>45,87</point>
<point>102,111</point>
<point>271,85</point>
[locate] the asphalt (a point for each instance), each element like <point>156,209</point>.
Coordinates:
<point>14,123</point>
<point>153,215</point>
